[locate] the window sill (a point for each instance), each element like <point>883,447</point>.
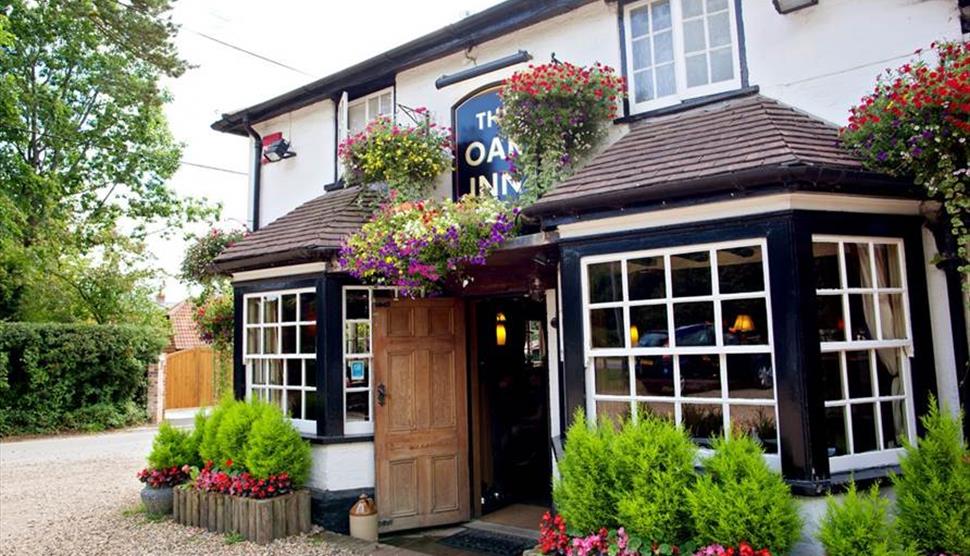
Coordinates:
<point>688,104</point>
<point>345,439</point>
<point>839,482</point>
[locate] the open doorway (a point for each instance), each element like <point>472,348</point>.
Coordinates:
<point>511,412</point>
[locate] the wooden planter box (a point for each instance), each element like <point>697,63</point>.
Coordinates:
<point>259,521</point>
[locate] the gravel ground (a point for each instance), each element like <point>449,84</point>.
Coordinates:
<point>79,495</point>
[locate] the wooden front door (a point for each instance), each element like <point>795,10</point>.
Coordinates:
<point>421,425</point>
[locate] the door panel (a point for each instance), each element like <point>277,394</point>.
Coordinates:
<point>421,436</point>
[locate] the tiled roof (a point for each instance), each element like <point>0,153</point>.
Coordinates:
<point>719,139</point>
<point>311,231</point>
<point>184,333</point>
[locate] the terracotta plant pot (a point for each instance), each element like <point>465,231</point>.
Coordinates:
<point>157,501</point>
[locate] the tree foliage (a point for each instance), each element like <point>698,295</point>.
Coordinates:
<point>85,150</point>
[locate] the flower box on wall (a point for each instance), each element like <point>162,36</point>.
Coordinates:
<point>257,520</point>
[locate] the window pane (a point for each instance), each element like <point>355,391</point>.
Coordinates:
<point>666,82</point>
<point>311,372</point>
<point>745,322</point>
<point>294,372</point>
<point>258,373</point>
<point>716,5</point>
<point>831,323</point>
<point>358,373</point>
<point>270,340</point>
<point>310,401</point>
<point>294,404</point>
<point>386,107</point>
<point>740,270</point>
<point>288,336</point>
<point>862,312</point>
<point>892,316</point>
<point>271,309</point>
<point>691,274</point>
<point>722,65</point>
<point>358,337</point>
<point>639,22</point>
<point>857,269</point>
<point>863,428</point>
<point>252,310</point>
<point>858,373</point>
<point>703,422</point>
<point>693,8</point>
<point>750,376</point>
<point>656,409</point>
<point>612,376</point>
<point>641,54</point>
<point>719,30</point>
<point>308,338</point>
<point>835,429</point>
<point>606,326</point>
<point>358,304</point>
<point>643,85</point>
<point>357,117</point>
<point>289,308</point>
<point>893,423</point>
<point>826,257</point>
<point>758,422</point>
<point>373,107</point>
<point>888,367</point>
<point>654,376</point>
<point>700,376</point>
<point>308,306</point>
<point>275,397</point>
<point>660,14</point>
<point>605,282</point>
<point>696,70</point>
<point>887,265</point>
<point>648,326</point>
<point>615,411</point>
<point>831,375</point>
<point>663,47</point>
<point>694,324</point>
<point>274,372</point>
<point>645,278</point>
<point>358,408</point>
<point>252,340</point>
<point>694,36</point>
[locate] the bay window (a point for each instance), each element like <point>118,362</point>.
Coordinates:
<point>679,49</point>
<point>279,352</point>
<point>684,333</point>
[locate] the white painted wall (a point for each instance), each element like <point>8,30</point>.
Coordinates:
<point>342,466</point>
<point>289,183</point>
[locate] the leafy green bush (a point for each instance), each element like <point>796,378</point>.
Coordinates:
<point>73,376</point>
<point>585,493</point>
<point>740,498</point>
<point>234,430</point>
<point>173,447</point>
<point>208,445</point>
<point>933,490</point>
<point>274,446</point>
<point>653,464</point>
<point>860,526</point>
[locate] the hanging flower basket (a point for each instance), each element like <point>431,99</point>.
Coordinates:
<point>406,158</point>
<point>556,113</point>
<point>417,246</point>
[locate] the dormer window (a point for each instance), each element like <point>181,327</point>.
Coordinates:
<point>362,110</point>
<point>679,49</point>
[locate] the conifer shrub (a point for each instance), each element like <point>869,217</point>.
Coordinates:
<point>274,447</point>
<point>860,525</point>
<point>234,430</point>
<point>172,447</point>
<point>933,489</point>
<point>208,445</point>
<point>586,493</point>
<point>740,498</point>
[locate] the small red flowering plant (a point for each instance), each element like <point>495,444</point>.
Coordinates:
<point>556,114</point>
<point>161,478</point>
<point>743,549</point>
<point>407,158</point>
<point>238,482</point>
<point>916,124</point>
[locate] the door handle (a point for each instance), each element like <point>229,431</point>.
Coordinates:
<point>381,394</point>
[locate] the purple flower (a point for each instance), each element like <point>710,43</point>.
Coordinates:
<point>882,156</point>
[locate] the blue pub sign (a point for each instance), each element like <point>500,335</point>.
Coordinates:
<point>481,152</point>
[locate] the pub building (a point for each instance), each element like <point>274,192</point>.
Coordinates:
<point>721,259</point>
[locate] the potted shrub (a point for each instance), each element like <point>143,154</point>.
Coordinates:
<point>173,451</point>
<point>405,158</point>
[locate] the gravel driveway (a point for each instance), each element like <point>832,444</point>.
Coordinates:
<point>79,495</point>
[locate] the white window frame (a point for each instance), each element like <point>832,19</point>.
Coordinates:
<point>881,456</point>
<point>682,92</point>
<point>359,427</point>
<point>347,104</point>
<point>719,349</point>
<point>308,426</point>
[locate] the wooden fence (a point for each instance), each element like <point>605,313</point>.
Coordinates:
<point>189,378</point>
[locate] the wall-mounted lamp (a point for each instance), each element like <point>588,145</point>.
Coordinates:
<point>278,150</point>
<point>743,323</point>
<point>634,335</point>
<point>789,6</point>
<point>500,328</point>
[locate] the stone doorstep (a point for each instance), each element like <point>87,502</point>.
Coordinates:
<point>360,546</point>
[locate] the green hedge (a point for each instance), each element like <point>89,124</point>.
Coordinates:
<point>73,376</point>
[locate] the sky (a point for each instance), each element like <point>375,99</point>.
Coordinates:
<point>244,52</point>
